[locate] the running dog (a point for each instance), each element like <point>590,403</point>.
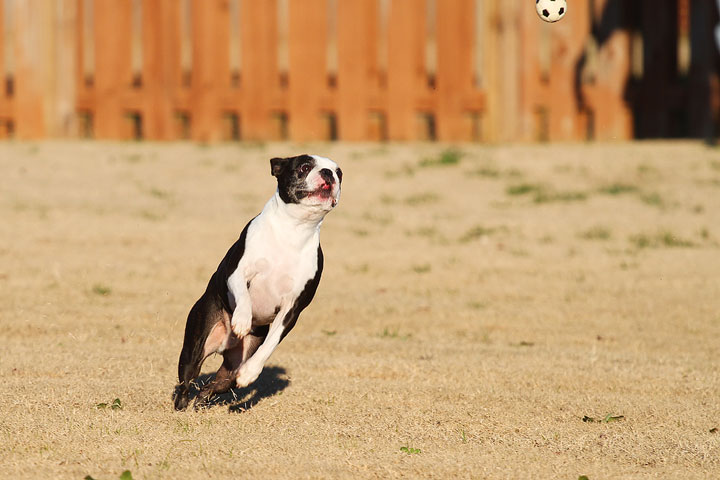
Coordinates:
<point>265,280</point>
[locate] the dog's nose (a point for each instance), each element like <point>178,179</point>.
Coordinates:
<point>327,175</point>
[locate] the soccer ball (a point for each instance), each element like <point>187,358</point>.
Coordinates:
<point>551,10</point>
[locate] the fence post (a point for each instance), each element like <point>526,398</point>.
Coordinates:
<point>354,56</point>
<point>112,67</point>
<point>161,66</point>
<point>308,67</point>
<point>211,66</point>
<point>406,66</point>
<point>455,26</point>
<point>259,80</point>
<point>31,49</point>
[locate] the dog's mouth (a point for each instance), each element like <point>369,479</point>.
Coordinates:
<point>323,192</point>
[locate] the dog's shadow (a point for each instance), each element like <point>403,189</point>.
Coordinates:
<point>271,381</point>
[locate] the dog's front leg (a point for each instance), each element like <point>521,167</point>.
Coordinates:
<point>250,370</point>
<point>241,321</point>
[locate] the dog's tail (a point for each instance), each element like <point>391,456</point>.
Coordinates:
<point>201,319</point>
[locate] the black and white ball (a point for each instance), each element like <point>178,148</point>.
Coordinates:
<point>551,10</point>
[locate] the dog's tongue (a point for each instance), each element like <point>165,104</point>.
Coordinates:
<point>325,186</point>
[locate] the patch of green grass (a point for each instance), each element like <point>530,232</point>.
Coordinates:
<point>653,199</point>
<point>102,290</point>
<point>476,305</point>
<point>477,232</point>
<point>428,232</point>
<point>157,193</point>
<point>618,189</point>
<point>551,196</point>
<point>491,171</point>
<point>446,158</point>
<point>646,170</point>
<point>606,419</point>
<point>669,239</point>
<point>662,239</point>
<point>378,219</point>
<point>424,268</point>
<point>394,334</point>
<point>641,240</point>
<point>115,405</point>
<point>152,216</point>
<point>596,233</point>
<point>547,239</point>
<point>362,268</point>
<point>543,194</point>
<point>523,189</point>
<point>422,199</point>
<point>410,450</point>
<point>133,157</point>
<point>387,199</point>
<point>486,171</point>
<point>405,170</point>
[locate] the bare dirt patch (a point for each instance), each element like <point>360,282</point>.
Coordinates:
<point>485,312</point>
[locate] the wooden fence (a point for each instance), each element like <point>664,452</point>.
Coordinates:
<point>451,70</point>
<point>255,69</point>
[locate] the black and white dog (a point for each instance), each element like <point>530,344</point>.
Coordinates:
<point>265,280</point>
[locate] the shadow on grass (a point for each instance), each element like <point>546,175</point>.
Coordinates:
<point>271,381</point>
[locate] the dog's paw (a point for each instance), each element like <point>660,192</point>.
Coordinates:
<point>180,398</point>
<point>241,321</point>
<point>246,376</point>
<point>242,328</point>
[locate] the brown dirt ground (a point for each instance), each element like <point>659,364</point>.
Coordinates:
<point>471,312</point>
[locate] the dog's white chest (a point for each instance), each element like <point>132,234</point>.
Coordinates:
<point>274,269</point>
<point>268,284</point>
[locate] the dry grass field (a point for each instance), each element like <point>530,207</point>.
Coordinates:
<point>485,312</point>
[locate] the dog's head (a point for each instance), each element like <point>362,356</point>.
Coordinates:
<point>308,180</point>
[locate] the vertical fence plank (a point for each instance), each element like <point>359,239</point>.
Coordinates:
<point>31,69</point>
<point>210,69</point>
<point>161,66</point>
<point>507,110</point>
<point>259,68</point>
<point>5,116</point>
<point>406,71</point>
<point>455,35</point>
<point>308,70</point>
<point>112,67</point>
<point>354,56</point>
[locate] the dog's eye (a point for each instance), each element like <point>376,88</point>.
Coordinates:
<point>305,168</point>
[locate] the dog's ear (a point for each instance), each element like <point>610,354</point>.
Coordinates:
<point>277,166</point>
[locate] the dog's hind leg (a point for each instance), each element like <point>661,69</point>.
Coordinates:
<point>224,378</point>
<point>233,359</point>
<point>205,333</point>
